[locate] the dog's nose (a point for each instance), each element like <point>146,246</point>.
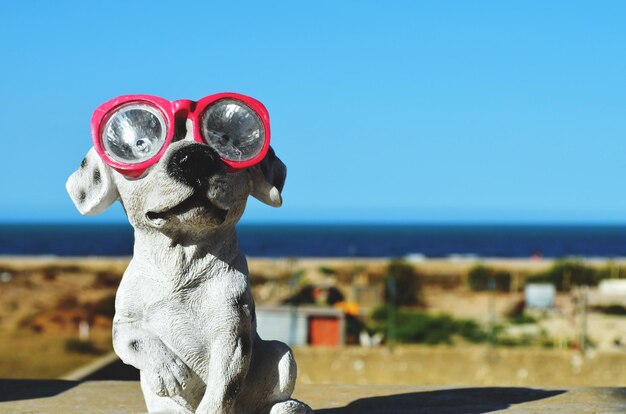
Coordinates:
<point>194,162</point>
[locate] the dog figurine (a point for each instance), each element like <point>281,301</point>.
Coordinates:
<point>185,316</point>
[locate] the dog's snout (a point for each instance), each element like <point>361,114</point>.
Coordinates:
<point>194,162</point>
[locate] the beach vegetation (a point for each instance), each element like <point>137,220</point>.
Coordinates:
<point>519,315</point>
<point>522,319</point>
<point>107,279</point>
<point>527,339</point>
<point>311,295</point>
<point>104,307</point>
<point>82,347</point>
<point>67,302</point>
<point>567,273</point>
<point>50,274</point>
<point>617,310</point>
<point>419,327</point>
<point>403,285</point>
<point>482,278</point>
<point>35,355</point>
<point>327,270</point>
<point>28,321</point>
<point>258,279</point>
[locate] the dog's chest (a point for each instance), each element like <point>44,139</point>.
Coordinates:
<point>192,310</point>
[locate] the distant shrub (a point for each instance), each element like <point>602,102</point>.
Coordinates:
<point>309,295</point>
<point>74,268</point>
<point>28,321</point>
<point>106,279</point>
<point>81,347</point>
<point>50,274</point>
<point>353,328</point>
<point>258,279</point>
<point>326,270</point>
<point>104,307</point>
<point>521,319</point>
<point>479,277</point>
<point>517,314</point>
<point>421,327</point>
<point>67,302</point>
<point>408,284</point>
<point>564,274</point>
<point>69,269</point>
<point>612,309</point>
<point>334,296</point>
<point>304,296</point>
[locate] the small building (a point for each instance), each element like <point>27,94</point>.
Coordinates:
<point>540,295</point>
<point>610,292</point>
<point>301,325</point>
<point>612,287</point>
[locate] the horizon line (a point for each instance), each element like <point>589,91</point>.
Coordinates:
<point>481,223</point>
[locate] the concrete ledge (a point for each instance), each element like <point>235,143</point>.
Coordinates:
<point>124,397</point>
<point>85,371</point>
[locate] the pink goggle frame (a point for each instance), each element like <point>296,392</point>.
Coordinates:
<point>171,112</point>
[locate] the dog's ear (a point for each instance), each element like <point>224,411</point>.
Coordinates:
<point>91,187</point>
<point>268,178</point>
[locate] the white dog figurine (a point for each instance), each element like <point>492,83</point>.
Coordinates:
<point>185,316</point>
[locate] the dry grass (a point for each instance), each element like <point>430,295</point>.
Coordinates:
<point>25,354</point>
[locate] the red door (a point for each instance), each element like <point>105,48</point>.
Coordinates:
<point>324,331</point>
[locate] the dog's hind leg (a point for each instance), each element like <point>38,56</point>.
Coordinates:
<point>272,378</point>
<point>287,371</point>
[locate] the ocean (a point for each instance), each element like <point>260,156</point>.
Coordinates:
<point>430,241</point>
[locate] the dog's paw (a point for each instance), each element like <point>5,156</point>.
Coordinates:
<point>291,407</point>
<point>168,376</point>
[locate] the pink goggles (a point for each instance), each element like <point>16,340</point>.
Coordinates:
<point>132,132</point>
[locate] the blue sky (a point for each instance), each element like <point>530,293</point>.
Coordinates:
<point>383,112</point>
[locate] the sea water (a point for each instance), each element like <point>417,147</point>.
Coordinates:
<point>337,240</point>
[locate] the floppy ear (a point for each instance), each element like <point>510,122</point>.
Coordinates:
<point>268,178</point>
<point>91,187</point>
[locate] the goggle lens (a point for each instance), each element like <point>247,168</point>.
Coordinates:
<point>233,130</point>
<point>134,133</point>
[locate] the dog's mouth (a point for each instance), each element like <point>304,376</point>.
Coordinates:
<point>198,202</point>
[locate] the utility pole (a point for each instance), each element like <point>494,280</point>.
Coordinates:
<point>583,319</point>
<point>492,310</point>
<point>391,312</point>
<point>293,307</point>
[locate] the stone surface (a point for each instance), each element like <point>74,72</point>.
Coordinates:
<point>120,397</point>
<point>480,366</point>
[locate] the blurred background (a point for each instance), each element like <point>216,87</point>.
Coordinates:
<point>453,212</point>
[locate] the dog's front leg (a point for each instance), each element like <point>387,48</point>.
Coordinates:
<point>228,367</point>
<point>164,371</point>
